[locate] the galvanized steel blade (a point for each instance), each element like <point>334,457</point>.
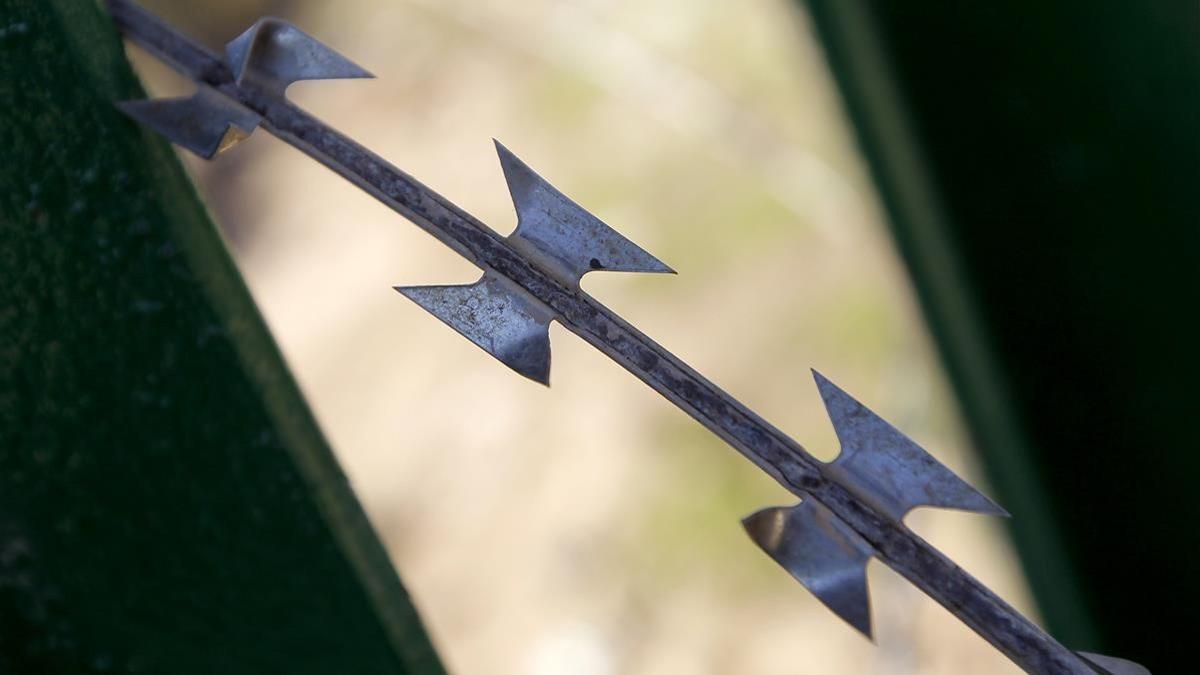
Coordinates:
<point>497,315</point>
<point>885,468</point>
<point>207,123</point>
<point>563,236</point>
<point>822,552</point>
<point>272,54</point>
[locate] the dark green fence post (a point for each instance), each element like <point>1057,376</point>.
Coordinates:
<point>1040,163</point>
<point>167,503</point>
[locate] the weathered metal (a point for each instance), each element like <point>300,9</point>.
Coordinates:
<point>497,315</point>
<point>851,508</point>
<point>562,237</point>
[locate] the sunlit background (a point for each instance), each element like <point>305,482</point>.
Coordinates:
<point>592,528</point>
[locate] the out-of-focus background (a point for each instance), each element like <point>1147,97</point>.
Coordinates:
<point>592,528</point>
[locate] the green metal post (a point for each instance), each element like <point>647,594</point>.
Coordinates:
<point>1040,163</point>
<point>167,502</point>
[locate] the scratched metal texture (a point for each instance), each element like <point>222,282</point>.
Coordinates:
<point>167,503</point>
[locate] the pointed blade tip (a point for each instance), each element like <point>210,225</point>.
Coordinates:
<point>861,622</point>
<point>502,149</point>
<point>241,50</point>
<point>421,295</point>
<point>661,268</point>
<point>141,111</point>
<point>994,509</point>
<point>984,507</point>
<point>953,491</point>
<point>134,108</point>
<point>349,70</point>
<point>657,267</point>
<point>541,377</point>
<point>867,631</point>
<point>823,382</point>
<point>509,160</point>
<point>517,336</point>
<point>753,524</point>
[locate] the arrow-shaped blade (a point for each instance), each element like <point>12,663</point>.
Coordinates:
<point>207,123</point>
<point>498,316</point>
<point>273,54</point>
<point>885,468</point>
<point>562,235</point>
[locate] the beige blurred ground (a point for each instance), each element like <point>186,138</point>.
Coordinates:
<point>592,528</point>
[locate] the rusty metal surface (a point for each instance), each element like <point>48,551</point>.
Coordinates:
<point>547,278</point>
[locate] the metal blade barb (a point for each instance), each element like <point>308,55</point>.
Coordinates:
<point>497,315</point>
<point>822,552</point>
<point>272,54</point>
<point>207,123</point>
<point>888,470</point>
<point>562,235</point>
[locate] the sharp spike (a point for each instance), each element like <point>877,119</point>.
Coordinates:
<point>822,553</point>
<point>1114,666</point>
<point>556,231</point>
<point>498,316</point>
<point>888,470</point>
<point>207,123</point>
<point>274,53</point>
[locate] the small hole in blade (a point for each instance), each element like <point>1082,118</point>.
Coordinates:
<point>595,264</point>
